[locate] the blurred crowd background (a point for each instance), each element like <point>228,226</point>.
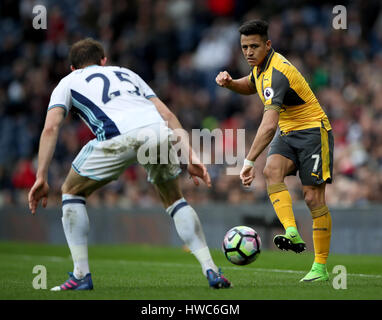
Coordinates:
<point>178,47</point>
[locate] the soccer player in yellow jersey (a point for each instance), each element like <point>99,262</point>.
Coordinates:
<point>303,143</point>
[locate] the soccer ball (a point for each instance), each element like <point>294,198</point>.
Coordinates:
<point>241,245</point>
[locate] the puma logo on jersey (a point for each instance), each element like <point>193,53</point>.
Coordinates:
<point>277,200</point>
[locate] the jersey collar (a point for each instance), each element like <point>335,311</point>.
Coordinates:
<point>265,64</point>
<point>92,65</point>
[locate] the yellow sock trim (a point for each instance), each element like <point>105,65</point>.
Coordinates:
<point>282,203</point>
<point>274,188</point>
<point>322,230</point>
<point>320,211</point>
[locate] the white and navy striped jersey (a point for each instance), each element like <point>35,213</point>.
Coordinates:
<point>110,100</point>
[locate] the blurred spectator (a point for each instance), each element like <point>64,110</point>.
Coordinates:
<point>24,175</point>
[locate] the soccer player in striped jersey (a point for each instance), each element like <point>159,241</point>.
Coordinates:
<point>304,141</point>
<point>125,115</point>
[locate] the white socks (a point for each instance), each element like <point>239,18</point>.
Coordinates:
<point>76,228</point>
<point>190,230</point>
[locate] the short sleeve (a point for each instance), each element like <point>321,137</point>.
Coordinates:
<point>274,93</point>
<point>61,96</point>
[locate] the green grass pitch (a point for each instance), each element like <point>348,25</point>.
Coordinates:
<point>143,272</point>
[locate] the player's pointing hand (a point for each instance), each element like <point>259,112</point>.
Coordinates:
<point>223,79</point>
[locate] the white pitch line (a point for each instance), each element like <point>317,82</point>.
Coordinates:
<point>295,271</point>
<point>187,265</point>
<point>238,268</point>
<point>50,258</point>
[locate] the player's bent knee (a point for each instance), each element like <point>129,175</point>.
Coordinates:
<point>169,192</point>
<point>310,199</point>
<point>273,173</point>
<point>65,189</point>
<point>313,199</point>
<point>73,190</point>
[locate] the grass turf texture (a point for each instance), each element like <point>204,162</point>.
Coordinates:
<point>140,272</point>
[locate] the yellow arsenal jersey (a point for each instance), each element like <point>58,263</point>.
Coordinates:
<point>282,87</point>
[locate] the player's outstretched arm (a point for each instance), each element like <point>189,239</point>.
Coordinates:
<point>194,167</point>
<point>263,138</point>
<point>241,86</point>
<point>48,140</point>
